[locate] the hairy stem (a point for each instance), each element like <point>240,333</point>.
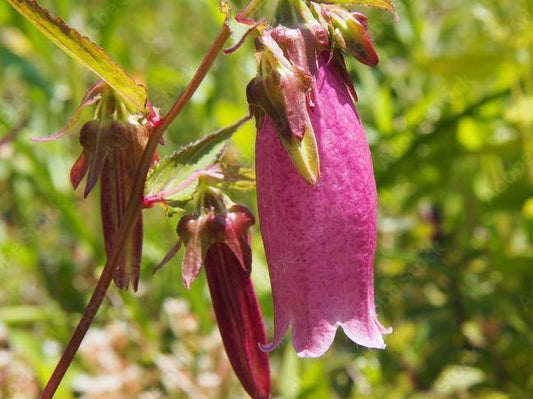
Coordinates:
<point>135,205</point>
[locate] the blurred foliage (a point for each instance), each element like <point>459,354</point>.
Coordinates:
<point>449,115</point>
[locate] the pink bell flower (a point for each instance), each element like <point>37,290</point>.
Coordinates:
<point>320,239</point>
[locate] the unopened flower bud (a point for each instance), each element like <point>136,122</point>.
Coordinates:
<point>218,236</point>
<point>113,145</point>
<point>350,33</point>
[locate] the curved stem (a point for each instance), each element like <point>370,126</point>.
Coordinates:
<point>135,206</point>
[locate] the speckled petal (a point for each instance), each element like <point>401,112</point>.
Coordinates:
<point>320,241</point>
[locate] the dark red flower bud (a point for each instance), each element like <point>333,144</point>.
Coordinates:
<point>239,319</point>
<point>117,180</point>
<point>218,236</point>
<point>112,151</point>
<point>113,145</point>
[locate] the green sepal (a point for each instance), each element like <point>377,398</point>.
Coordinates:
<point>304,156</point>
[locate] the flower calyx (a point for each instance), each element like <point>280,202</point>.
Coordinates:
<point>216,220</point>
<point>284,90</point>
<point>113,137</point>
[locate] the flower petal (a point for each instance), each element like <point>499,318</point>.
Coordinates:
<point>320,240</point>
<point>237,235</point>
<point>124,145</point>
<point>114,194</point>
<point>191,230</point>
<point>78,170</point>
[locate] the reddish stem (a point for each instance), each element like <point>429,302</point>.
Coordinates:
<point>99,293</point>
<point>135,206</point>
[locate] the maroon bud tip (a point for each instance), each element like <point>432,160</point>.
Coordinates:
<point>78,170</point>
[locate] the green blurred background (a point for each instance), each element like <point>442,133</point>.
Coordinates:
<point>449,116</point>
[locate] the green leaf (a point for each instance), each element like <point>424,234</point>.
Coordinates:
<point>83,50</point>
<point>174,179</point>
<point>383,4</point>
